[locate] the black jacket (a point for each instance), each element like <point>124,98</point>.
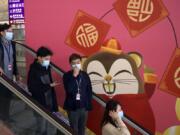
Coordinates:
<point>38,88</point>
<point>71,90</point>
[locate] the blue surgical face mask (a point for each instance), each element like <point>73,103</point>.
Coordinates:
<point>9,35</point>
<point>121,114</point>
<point>46,63</point>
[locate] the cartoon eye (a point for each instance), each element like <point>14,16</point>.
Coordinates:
<point>95,73</point>
<point>122,71</point>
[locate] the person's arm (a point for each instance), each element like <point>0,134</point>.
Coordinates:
<point>120,122</point>
<point>15,70</point>
<point>1,58</point>
<point>89,90</point>
<point>66,84</point>
<point>34,81</point>
<point>53,83</point>
<point>54,98</point>
<point>122,127</point>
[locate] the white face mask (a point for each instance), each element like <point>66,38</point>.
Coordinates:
<point>121,114</point>
<point>76,66</point>
<point>45,63</point>
<point>9,35</point>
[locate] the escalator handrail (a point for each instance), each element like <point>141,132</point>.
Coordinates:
<point>24,96</point>
<point>101,101</point>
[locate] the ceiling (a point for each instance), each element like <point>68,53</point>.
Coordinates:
<point>3,10</point>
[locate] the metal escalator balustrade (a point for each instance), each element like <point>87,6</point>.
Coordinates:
<point>35,107</point>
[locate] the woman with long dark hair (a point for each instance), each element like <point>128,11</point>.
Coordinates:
<point>112,123</point>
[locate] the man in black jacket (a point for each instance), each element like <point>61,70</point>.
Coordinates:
<point>7,66</point>
<point>41,86</point>
<point>78,90</point>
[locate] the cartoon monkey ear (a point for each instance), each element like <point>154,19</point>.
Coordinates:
<point>137,57</point>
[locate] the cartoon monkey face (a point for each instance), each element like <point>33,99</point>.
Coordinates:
<point>113,74</point>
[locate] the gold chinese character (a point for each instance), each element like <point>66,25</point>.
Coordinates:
<point>87,35</point>
<point>177,77</point>
<point>134,4</point>
<point>140,10</point>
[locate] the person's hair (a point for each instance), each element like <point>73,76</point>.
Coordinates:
<point>111,105</point>
<point>74,56</point>
<point>7,26</point>
<point>43,52</point>
<point>4,27</point>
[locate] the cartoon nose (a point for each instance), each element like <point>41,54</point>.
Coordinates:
<point>108,78</point>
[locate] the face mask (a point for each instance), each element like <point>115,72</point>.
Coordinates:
<point>45,63</point>
<point>76,66</point>
<point>9,35</point>
<point>120,114</point>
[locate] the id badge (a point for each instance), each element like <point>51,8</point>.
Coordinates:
<point>78,96</point>
<point>9,67</point>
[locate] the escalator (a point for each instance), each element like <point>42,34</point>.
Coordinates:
<point>24,112</point>
<point>24,109</point>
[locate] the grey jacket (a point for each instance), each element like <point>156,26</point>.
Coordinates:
<point>14,56</point>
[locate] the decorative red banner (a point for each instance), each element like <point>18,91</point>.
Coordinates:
<point>171,79</point>
<point>87,33</point>
<point>139,15</point>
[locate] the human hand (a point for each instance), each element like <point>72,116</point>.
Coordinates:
<point>18,78</point>
<point>1,71</point>
<point>113,115</point>
<point>54,84</point>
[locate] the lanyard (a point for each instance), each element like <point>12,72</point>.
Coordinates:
<point>8,50</point>
<point>78,84</point>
